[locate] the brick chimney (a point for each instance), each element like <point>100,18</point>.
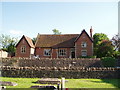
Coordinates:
<point>91,30</point>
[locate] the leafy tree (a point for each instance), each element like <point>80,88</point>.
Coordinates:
<point>11,49</point>
<point>105,49</point>
<point>8,43</point>
<point>56,32</point>
<point>98,38</point>
<point>4,41</point>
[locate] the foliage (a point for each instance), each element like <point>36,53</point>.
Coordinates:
<point>102,45</point>
<point>105,49</point>
<point>72,83</point>
<point>116,42</point>
<point>116,54</point>
<point>56,32</point>
<point>98,37</point>
<point>108,61</point>
<point>8,43</point>
<point>11,49</point>
<point>34,40</point>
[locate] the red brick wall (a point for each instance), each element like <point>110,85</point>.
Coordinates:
<point>54,53</point>
<point>18,49</point>
<point>78,48</point>
<point>40,52</point>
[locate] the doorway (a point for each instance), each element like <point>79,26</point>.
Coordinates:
<point>72,54</point>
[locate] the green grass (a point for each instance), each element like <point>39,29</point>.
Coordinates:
<point>72,83</point>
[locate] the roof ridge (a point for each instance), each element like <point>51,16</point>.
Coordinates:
<point>29,40</point>
<point>58,34</point>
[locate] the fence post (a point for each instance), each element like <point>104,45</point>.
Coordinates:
<point>62,83</point>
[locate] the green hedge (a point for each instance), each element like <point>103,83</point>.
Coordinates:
<point>108,61</point>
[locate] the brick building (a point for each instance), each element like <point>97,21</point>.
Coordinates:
<point>57,46</point>
<point>25,47</point>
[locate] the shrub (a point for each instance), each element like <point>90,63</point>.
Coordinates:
<point>108,61</point>
<point>116,54</point>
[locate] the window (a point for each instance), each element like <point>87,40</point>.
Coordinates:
<point>84,44</point>
<point>23,49</point>
<point>84,52</point>
<point>47,52</point>
<point>62,52</point>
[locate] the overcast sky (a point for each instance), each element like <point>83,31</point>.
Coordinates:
<point>31,18</point>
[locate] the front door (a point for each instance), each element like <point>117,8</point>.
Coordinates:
<point>72,54</point>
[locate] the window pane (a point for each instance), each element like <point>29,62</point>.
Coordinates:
<point>23,49</point>
<point>84,53</point>
<point>47,52</point>
<point>62,52</point>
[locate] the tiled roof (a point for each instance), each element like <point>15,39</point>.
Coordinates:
<point>29,40</point>
<point>55,41</point>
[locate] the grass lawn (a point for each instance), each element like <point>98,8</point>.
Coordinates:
<point>72,83</point>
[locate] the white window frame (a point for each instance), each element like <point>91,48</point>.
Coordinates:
<point>83,44</point>
<point>62,52</point>
<point>84,52</point>
<point>23,49</point>
<point>47,52</point>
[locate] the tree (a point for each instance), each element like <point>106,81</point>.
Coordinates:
<point>4,41</point>
<point>34,40</point>
<point>11,49</point>
<point>56,32</point>
<point>105,49</point>
<point>8,43</point>
<point>98,38</point>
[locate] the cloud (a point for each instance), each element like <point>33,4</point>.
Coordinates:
<point>16,32</point>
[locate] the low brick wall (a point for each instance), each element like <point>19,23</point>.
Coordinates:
<point>47,72</point>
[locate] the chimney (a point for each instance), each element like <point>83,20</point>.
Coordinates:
<point>91,30</point>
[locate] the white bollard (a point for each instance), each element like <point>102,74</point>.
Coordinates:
<point>62,83</point>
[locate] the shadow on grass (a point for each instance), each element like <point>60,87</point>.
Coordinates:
<point>115,82</point>
<point>35,82</point>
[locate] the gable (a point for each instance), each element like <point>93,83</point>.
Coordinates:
<point>27,40</point>
<point>84,33</point>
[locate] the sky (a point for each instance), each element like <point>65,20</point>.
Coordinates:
<point>31,18</point>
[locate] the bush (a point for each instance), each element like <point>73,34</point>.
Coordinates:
<point>116,54</point>
<point>108,61</point>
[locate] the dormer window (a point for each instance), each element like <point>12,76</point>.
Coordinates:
<point>83,44</point>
